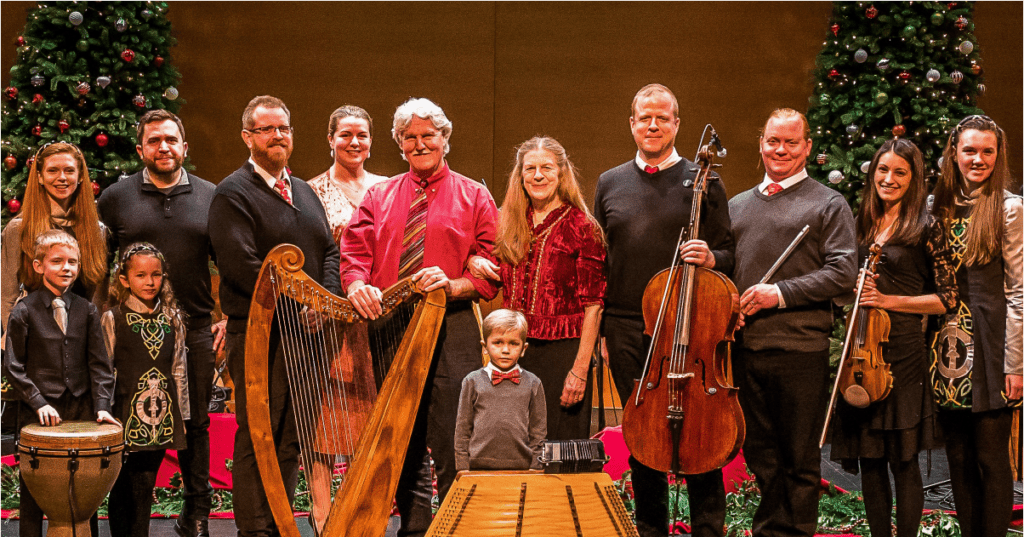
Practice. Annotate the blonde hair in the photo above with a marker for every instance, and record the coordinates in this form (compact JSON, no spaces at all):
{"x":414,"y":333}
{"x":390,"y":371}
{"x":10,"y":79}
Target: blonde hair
{"x":984,"y":235}
{"x":788,"y":113}
{"x":503,"y":320}
{"x":652,"y":89}
{"x":120,"y":292}
{"x":50,"y":238}
{"x":85,"y":226}
{"x":514,"y":231}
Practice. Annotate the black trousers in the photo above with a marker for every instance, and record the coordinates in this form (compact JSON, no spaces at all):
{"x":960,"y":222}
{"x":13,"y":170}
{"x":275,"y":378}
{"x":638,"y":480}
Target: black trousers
{"x":195,"y":458}
{"x":70,"y":408}
{"x":252,"y":512}
{"x":979,"y":469}
{"x":784,"y":396}
{"x":627,"y":351}
{"x":131,"y":499}
{"x":456,"y":355}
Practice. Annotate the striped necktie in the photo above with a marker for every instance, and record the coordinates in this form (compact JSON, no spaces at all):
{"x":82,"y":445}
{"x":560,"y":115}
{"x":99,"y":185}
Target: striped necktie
{"x":415,"y":230}
{"x":60,"y":314}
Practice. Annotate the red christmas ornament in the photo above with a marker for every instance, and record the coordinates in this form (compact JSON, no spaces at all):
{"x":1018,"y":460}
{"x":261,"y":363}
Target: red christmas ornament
{"x":834,"y":74}
{"x":904,"y":76}
{"x":158,"y":61}
{"x":128,"y":55}
{"x":951,"y":5}
{"x":101,"y":140}
{"x":37,"y":130}
{"x":961,"y":23}
{"x":63,"y":125}
{"x":37,"y":99}
{"x":822,"y":158}
{"x":835,"y":29}
{"x":14,"y":206}
{"x":10,"y":162}
{"x":95,"y":188}
{"x":139,"y":100}
{"x":871,"y":12}
{"x":976,"y":69}
{"x":899,"y":130}
{"x":21,"y":40}
{"x":30,"y":162}
{"x":11,"y":92}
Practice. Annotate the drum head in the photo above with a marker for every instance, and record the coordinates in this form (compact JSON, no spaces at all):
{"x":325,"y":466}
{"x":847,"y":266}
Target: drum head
{"x":81,"y":435}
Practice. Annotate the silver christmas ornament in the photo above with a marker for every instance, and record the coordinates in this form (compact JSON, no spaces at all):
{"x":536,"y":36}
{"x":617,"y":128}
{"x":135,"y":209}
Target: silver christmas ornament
{"x":981,"y":89}
{"x":957,"y":77}
{"x":940,"y":162}
{"x":102,"y":81}
{"x":37,"y":80}
{"x":120,"y":25}
{"x":146,"y":14}
{"x":883,"y":64}
{"x":966,"y":47}
{"x":76,"y":18}
{"x":932,"y":75}
{"x":860,"y":56}
{"x":835,"y":176}
{"x":852,"y":129}
{"x":171,"y":93}
{"x":865,"y":166}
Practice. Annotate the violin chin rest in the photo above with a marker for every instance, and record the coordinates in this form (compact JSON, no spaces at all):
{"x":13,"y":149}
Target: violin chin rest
{"x":857,"y":396}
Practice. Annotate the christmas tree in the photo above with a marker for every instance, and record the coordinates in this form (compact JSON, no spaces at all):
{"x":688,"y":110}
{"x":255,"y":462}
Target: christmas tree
{"x":85,"y":72}
{"x":908,"y":69}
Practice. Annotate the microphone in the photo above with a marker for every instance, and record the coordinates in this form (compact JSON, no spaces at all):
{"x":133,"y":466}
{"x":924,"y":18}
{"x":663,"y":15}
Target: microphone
{"x":717,"y":142}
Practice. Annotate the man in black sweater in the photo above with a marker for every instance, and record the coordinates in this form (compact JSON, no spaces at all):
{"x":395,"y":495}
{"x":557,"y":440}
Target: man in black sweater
{"x":781,"y":358}
{"x":256,"y":208}
{"x":642,"y":205}
{"x":167,"y":207}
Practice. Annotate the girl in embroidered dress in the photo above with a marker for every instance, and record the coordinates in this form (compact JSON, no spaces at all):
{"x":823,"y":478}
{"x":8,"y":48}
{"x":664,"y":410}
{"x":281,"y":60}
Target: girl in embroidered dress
{"x":915,"y":280}
{"x":145,"y":337}
{"x":552,"y":269}
{"x":976,"y":349}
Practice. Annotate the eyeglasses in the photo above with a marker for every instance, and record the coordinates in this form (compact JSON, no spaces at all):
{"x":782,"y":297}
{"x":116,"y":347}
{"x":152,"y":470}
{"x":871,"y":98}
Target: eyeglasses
{"x":285,"y":130}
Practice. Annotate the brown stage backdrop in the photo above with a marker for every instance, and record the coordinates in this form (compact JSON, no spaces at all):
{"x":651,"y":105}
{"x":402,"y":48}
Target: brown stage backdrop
{"x":506,"y":71}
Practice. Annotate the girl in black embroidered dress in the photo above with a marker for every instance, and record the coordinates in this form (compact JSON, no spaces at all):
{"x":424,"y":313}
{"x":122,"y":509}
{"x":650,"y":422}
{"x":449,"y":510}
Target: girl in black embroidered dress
{"x":913,"y":279}
{"x":976,"y":349}
{"x":145,"y":337}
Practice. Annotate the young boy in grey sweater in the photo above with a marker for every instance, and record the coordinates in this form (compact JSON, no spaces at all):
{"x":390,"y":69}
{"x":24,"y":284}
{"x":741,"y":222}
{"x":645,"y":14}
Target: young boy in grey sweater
{"x":502,"y":418}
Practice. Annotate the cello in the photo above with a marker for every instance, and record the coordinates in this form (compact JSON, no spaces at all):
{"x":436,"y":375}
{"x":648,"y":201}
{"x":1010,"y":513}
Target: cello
{"x":685,"y":396}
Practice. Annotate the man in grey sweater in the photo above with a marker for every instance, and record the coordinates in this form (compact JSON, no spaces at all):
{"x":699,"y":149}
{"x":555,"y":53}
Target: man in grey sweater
{"x":781,"y":357}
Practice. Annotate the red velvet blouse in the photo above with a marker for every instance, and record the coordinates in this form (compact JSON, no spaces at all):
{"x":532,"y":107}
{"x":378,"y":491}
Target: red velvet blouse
{"x":562,"y":273}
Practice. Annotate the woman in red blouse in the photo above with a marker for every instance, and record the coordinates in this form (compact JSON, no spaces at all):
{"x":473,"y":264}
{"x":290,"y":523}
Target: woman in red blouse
{"x":552,"y":268}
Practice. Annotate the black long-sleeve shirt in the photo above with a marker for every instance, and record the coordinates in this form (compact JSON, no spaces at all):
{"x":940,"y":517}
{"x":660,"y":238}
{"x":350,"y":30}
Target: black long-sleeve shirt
{"x":176,"y":223}
{"x":642,"y":215}
{"x":248,"y":219}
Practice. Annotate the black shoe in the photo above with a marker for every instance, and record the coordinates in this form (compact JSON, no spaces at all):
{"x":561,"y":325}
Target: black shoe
{"x":192,"y":528}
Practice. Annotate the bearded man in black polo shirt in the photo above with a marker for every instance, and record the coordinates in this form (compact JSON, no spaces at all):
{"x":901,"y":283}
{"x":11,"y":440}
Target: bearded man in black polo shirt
{"x":167,"y":207}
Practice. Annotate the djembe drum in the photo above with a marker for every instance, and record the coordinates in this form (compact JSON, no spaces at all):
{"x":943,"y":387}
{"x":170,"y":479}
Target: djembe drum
{"x":69,"y":469}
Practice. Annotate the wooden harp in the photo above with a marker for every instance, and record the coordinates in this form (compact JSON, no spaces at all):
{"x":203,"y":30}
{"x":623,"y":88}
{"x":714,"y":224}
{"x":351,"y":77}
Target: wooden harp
{"x":362,"y":504}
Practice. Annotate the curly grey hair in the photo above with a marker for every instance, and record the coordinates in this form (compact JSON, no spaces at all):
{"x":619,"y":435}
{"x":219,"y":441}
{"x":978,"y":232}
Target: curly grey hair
{"x":423,"y":109}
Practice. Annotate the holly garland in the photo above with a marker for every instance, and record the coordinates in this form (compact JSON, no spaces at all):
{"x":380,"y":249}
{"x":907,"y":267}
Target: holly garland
{"x":84,"y":73}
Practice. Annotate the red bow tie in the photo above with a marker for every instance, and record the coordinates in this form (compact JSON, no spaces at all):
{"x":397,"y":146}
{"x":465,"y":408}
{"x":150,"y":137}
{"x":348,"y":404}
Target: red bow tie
{"x":651,"y":169}
{"x":498,"y":376}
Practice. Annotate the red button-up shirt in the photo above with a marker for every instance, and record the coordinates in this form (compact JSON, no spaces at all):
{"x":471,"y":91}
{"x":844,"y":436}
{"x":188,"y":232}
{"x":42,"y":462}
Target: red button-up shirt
{"x":461,"y":218}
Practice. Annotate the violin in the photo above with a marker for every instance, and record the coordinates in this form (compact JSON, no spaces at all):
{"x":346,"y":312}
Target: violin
{"x":863,"y":376}
{"x":684,"y":416}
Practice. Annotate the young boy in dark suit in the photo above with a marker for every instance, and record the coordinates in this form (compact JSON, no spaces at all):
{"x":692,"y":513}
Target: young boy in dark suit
{"x":55,"y":359}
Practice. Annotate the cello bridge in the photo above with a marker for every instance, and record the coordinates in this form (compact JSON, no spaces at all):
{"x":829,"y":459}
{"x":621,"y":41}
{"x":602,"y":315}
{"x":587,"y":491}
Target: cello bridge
{"x":679,"y":375}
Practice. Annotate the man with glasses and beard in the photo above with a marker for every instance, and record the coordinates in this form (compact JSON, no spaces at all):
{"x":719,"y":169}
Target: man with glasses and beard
{"x":256,"y":208}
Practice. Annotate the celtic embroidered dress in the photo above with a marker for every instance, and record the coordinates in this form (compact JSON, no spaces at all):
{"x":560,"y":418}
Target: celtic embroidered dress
{"x":146,"y":394}
{"x":970,"y":346}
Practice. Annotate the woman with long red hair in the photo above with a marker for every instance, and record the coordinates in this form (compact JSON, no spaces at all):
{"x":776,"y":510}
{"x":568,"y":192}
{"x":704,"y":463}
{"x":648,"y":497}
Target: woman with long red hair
{"x":58,"y":195}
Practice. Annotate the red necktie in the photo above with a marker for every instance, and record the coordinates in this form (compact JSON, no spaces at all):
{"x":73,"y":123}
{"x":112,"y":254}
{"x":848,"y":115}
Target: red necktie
{"x":498,"y":376}
{"x":281,"y":187}
{"x":772,"y":189}
{"x":411,"y":259}
{"x":651,"y":169}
